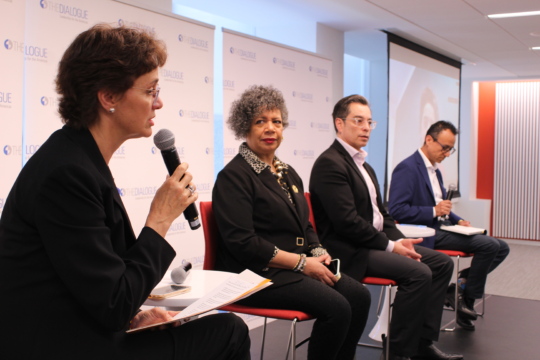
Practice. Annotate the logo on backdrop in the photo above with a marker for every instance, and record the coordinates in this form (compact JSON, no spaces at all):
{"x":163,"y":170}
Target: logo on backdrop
{"x":292,"y":124}
{"x":209,"y":151}
{"x":319,"y":71}
{"x":172,"y":75}
{"x":229,"y":152}
{"x":120,"y":153}
{"x":304,"y":153}
{"x":134,"y":24}
{"x":138,"y":193}
{"x":285,"y":64}
{"x":177,"y":228}
{"x":6,"y":99}
{"x":320,"y":126}
{"x":228,"y":85}
{"x":48,"y":101}
{"x":203,"y":188}
{"x":195,"y":115}
{"x":193,"y":42}
{"x":66,"y":12}
{"x":28,"y":150}
{"x":31,"y":52}
{"x":303,"y":96}
{"x":244,"y":54}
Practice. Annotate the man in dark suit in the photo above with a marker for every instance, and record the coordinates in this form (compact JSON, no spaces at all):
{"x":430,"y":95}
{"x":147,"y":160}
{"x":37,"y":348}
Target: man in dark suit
{"x":355,"y":227}
{"x":417,"y":196}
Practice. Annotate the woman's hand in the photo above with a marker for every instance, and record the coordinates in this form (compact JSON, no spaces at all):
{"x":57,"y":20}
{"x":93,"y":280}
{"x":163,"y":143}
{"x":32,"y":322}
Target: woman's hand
{"x":315,"y":268}
{"x":152,"y":316}
{"x":171,"y":199}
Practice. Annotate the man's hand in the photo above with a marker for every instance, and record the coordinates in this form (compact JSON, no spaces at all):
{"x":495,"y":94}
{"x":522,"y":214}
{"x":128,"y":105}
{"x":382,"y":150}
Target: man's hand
{"x":443,"y":208}
{"x":405,"y":247}
{"x":464,"y":222}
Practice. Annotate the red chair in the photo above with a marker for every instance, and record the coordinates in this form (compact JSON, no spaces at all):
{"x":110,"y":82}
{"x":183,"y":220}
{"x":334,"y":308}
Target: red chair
{"x":211,"y":241}
{"x":389,"y":284}
{"x":458,"y":255}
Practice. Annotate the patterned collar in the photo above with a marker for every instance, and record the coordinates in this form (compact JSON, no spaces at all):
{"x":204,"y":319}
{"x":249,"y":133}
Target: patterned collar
{"x":253,"y":160}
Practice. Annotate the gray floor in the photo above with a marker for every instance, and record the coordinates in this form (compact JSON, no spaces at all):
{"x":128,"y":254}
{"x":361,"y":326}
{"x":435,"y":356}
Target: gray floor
{"x":509,"y":329}
{"x":518,"y":276}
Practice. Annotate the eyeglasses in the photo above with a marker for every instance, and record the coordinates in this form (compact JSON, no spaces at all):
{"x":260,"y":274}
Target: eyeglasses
{"x":360,"y":121}
{"x":153,"y":92}
{"x":445,"y":148}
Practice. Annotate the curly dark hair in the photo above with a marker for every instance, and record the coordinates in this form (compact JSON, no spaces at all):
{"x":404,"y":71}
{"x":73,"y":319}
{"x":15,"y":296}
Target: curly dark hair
{"x":252,"y":103}
{"x":103,"y":58}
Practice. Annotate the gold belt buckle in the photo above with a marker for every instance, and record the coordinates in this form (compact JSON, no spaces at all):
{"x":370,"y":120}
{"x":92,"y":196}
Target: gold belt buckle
{"x":299,"y":241}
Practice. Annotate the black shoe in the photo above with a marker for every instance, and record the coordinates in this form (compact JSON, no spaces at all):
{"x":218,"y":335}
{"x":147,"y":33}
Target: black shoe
{"x":391,"y":355}
{"x":450,"y":300}
{"x":464,"y":322}
{"x":465,"y":309}
{"x":431,"y":352}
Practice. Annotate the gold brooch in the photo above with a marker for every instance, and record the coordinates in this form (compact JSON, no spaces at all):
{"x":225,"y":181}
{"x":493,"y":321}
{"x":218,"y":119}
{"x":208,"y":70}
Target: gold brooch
{"x":295,"y":189}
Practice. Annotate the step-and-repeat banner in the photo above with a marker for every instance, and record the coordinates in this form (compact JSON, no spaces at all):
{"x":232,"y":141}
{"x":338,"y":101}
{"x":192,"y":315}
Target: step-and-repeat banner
{"x":34,"y":37}
{"x":305,"y":79}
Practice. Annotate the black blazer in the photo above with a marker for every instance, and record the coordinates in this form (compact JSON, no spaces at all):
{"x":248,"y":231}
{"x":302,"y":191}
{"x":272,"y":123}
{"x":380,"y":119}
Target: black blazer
{"x":254,"y":215}
{"x":343,"y":211}
{"x":72,"y":272}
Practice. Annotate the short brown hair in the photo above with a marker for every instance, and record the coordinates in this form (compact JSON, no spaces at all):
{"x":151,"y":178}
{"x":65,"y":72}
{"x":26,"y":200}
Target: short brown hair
{"x":103,"y":57}
{"x":341,"y":109}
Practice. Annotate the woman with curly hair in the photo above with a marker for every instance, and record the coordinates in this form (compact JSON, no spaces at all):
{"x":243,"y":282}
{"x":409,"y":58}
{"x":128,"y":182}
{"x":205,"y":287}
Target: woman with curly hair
{"x":263,"y":218}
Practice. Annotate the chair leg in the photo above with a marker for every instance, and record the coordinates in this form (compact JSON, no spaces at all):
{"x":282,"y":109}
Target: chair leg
{"x":483,"y":305}
{"x":291,"y":346}
{"x":263,"y":338}
{"x":388,"y":298}
{"x":455,"y":300}
{"x":378,"y":312}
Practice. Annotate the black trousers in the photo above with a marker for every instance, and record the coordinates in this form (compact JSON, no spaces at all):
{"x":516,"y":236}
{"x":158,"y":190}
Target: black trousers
{"x":418,"y":305}
{"x":341,"y":313}
{"x":213,"y":337}
{"x":488,"y":251}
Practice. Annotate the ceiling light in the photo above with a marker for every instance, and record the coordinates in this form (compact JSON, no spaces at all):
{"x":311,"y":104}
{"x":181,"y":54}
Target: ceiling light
{"x":517,"y":14}
{"x":535,"y":48}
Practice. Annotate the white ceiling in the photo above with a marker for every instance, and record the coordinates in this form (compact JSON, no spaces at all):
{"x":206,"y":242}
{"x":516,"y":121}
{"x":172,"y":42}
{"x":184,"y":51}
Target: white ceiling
{"x":459,"y":29}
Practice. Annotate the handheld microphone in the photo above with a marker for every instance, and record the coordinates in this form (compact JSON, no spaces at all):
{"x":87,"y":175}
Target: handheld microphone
{"x":164,"y":141}
{"x":180,"y":274}
{"x":451,"y":191}
{"x":449,"y":195}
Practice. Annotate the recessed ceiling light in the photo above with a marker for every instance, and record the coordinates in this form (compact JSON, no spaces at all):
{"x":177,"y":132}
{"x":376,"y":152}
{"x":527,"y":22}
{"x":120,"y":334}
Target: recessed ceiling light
{"x":517,"y":14}
{"x":535,"y":48}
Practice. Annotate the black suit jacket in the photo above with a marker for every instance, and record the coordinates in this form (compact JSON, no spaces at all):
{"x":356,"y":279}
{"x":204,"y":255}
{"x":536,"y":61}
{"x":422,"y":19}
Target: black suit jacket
{"x":254,"y":215}
{"x":343,"y":210}
{"x":72,"y":272}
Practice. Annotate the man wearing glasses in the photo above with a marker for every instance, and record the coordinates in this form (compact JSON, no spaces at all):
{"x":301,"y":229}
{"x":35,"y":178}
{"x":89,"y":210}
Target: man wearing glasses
{"x":356,"y":228}
{"x":417,"y":196}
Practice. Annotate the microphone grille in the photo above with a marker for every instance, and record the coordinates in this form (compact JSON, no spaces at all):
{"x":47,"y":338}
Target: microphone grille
{"x":452,"y":187}
{"x":164,"y":139}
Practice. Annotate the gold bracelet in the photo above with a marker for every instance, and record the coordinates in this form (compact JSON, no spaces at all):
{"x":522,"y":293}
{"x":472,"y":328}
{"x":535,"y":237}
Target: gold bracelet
{"x":298,"y":263}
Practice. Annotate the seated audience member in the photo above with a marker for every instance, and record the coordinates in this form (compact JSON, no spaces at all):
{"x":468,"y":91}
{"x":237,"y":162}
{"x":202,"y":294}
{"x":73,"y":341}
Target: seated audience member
{"x":262,"y":215}
{"x":72,"y":272}
{"x":417,"y":196}
{"x":355,"y":227}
